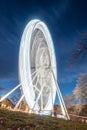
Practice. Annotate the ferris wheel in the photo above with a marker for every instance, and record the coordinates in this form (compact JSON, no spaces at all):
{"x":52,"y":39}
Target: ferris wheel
{"x":38,"y":71}
{"x":36,"y":59}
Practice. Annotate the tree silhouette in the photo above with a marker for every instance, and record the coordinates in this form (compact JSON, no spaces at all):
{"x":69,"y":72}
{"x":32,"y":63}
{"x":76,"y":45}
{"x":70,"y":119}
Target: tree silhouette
{"x":1,"y":88}
{"x":81,"y":48}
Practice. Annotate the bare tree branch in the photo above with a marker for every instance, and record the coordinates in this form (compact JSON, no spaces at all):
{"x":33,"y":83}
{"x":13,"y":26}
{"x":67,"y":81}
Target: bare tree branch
{"x":81,"y":48}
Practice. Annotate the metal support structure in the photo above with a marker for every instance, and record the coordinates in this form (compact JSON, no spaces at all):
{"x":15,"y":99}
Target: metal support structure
{"x":64,"y":110}
{"x":52,"y":102}
{"x":10,"y":92}
{"x":19,"y":102}
{"x":37,"y":98}
{"x":6,"y":95}
{"x":35,"y":86}
{"x":41,"y":95}
{"x":23,"y":94}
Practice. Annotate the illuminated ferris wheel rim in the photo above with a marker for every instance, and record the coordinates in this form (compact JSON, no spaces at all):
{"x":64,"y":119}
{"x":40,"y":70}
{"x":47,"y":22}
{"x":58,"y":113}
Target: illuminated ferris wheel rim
{"x":24,"y":61}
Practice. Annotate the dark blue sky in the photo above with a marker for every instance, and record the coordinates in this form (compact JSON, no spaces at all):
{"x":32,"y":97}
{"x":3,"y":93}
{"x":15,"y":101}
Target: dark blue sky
{"x":64,"y":19}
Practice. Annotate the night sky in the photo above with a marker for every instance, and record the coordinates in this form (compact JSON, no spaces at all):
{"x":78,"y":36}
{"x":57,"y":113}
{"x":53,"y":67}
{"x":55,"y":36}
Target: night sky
{"x":64,"y":18}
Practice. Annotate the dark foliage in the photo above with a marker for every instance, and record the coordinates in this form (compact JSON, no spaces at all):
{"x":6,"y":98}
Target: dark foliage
{"x":81,"y":48}
{"x":25,"y":121}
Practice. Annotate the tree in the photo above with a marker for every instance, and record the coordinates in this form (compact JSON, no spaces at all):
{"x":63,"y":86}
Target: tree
{"x":81,"y":48}
{"x":69,"y":100}
{"x":80,"y":91}
{"x":1,"y":88}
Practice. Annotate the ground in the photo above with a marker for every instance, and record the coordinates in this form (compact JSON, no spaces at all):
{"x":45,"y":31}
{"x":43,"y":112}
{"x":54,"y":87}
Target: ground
{"x":10,"y":120}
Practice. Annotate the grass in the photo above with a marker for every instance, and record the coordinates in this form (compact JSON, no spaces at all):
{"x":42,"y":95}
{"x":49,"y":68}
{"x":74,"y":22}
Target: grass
{"x":10,"y":120}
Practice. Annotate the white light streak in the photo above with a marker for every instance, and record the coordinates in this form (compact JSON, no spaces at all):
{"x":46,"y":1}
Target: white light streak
{"x":25,"y":65}
{"x":25,"y":70}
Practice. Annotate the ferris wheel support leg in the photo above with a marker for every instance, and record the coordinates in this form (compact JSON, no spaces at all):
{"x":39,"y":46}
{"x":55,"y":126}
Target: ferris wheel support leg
{"x":19,"y":102}
{"x":35,"y":86}
{"x":64,"y":110}
{"x":52,"y":102}
{"x":41,"y":96}
{"x":5,"y":96}
{"x":37,"y":98}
